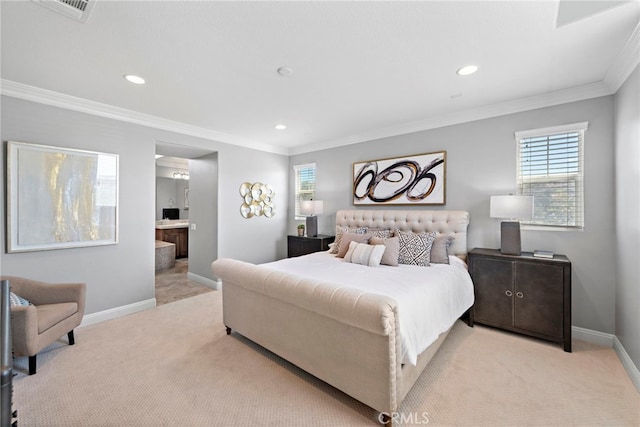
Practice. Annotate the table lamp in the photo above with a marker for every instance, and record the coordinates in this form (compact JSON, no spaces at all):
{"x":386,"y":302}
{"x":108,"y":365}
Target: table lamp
{"x":513,"y":208}
{"x":311,"y":208}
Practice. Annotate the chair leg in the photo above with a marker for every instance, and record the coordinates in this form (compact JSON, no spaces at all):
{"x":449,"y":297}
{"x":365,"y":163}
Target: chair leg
{"x":72,"y":340}
{"x":32,"y":364}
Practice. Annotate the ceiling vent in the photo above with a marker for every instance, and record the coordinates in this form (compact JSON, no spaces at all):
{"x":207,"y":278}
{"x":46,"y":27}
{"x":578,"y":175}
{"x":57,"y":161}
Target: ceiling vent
{"x":76,"y":9}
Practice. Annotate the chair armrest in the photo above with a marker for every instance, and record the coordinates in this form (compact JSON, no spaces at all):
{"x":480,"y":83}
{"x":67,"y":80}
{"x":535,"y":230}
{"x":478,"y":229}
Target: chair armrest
{"x":24,"y":327}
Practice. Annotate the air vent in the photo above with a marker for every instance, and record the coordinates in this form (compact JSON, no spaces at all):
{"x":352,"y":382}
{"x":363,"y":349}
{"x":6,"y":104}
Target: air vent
{"x":76,"y":9}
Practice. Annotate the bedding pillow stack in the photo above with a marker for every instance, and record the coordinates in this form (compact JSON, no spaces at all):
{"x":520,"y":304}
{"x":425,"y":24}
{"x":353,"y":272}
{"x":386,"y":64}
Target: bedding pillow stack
{"x":400,"y":247}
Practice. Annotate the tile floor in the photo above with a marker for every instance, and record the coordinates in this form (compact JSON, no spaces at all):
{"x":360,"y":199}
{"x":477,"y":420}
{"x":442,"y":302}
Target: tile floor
{"x":172,"y":284}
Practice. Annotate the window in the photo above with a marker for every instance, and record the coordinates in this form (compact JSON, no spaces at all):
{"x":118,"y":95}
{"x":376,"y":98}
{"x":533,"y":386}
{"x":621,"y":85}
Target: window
{"x":305,"y":185}
{"x":550,"y":168}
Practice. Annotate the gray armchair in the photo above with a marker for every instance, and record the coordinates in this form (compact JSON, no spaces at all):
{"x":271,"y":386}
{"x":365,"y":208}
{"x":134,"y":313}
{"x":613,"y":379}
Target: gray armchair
{"x":57,"y":309}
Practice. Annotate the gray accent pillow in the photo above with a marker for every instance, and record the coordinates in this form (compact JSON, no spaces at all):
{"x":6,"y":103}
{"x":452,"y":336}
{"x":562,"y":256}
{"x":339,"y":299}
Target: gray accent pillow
{"x":392,"y":247}
{"x":440,"y":249}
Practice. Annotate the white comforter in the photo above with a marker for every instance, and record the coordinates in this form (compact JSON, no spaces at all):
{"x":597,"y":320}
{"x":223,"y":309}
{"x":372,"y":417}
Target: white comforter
{"x":430,"y":299}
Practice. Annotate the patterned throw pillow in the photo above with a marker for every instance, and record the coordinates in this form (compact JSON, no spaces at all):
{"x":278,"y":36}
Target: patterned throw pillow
{"x":415,"y":248}
{"x":17,"y":301}
{"x":383,"y":233}
{"x":340,"y":230}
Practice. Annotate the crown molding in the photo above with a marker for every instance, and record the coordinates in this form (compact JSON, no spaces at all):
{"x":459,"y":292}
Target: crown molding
{"x":579,"y":93}
{"x":56,"y":99}
{"x":43,"y":96}
{"x":626,"y":61}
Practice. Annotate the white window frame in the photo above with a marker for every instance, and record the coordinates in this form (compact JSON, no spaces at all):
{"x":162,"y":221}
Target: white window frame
{"x":525,"y":181}
{"x":300,"y":194}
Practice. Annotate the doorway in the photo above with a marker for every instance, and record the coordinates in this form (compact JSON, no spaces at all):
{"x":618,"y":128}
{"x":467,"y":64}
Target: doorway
{"x":174,"y":229}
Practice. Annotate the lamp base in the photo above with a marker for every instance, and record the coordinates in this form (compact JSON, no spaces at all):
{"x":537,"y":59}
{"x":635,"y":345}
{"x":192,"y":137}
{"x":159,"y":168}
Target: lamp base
{"x":510,"y":238}
{"x":312,"y":226}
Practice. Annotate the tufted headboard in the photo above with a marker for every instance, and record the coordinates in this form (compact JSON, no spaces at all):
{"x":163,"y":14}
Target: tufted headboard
{"x":452,"y":223}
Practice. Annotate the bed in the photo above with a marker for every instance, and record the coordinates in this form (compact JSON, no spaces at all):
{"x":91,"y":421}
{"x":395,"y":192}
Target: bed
{"x":317,"y":311}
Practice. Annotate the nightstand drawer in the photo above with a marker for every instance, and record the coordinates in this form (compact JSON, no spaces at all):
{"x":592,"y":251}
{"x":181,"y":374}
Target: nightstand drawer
{"x":303,"y":245}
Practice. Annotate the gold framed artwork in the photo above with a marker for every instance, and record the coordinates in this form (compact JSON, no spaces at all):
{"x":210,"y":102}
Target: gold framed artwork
{"x":60,"y":198}
{"x":418,"y":179}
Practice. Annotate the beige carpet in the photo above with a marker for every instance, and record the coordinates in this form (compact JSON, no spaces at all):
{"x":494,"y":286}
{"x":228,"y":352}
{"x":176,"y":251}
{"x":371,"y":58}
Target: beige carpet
{"x":174,"y":366}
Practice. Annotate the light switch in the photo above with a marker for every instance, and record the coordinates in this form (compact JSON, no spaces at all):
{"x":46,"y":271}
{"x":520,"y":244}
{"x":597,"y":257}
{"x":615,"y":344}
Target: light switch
{"x":193,"y":227}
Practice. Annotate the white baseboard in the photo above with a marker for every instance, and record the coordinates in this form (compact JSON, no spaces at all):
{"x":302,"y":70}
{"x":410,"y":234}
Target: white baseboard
{"x":116,"y":312}
{"x":609,"y":340}
{"x":592,"y":336}
{"x":629,"y":366}
{"x":204,"y":281}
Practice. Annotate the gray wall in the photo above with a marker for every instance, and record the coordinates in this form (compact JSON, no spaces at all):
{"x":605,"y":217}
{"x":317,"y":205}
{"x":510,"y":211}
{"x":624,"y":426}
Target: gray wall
{"x":123,"y":274}
{"x":627,"y":176}
{"x":169,"y":189}
{"x":481,"y":161}
{"x":257,"y":239}
{"x":203,"y":211}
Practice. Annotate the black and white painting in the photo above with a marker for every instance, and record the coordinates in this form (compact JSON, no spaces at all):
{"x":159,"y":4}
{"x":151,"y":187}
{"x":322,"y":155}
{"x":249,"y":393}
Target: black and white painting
{"x":411,"y":180}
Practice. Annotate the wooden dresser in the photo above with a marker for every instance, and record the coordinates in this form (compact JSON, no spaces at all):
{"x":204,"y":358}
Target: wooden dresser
{"x":523,"y":293}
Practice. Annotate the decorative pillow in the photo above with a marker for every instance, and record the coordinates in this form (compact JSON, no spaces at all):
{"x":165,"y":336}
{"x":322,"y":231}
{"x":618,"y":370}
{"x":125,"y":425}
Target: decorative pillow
{"x":347,"y":238}
{"x":440,"y":249}
{"x":392,"y":246}
{"x":340,"y":230}
{"x":385,"y":233}
{"x":415,"y":248}
{"x":362,"y":253}
{"x":17,"y":301}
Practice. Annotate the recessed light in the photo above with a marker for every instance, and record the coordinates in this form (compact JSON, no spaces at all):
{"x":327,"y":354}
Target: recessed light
{"x":134,"y":79}
{"x":469,"y":69}
{"x":285,"y":71}
{"x":280,"y":127}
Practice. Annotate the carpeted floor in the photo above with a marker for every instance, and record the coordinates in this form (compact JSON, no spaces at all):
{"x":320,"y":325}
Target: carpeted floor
{"x":174,"y":366}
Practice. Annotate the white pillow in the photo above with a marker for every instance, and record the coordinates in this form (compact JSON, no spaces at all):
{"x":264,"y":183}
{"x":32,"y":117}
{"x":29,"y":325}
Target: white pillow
{"x":362,"y":253}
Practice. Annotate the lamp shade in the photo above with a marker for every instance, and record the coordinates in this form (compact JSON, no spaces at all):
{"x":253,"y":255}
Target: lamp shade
{"x":311,"y":207}
{"x":514,"y":207}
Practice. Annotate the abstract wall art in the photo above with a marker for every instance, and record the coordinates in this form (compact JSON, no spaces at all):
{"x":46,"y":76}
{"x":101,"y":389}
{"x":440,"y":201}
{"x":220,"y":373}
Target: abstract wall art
{"x":60,"y":198}
{"x":257,"y":200}
{"x":411,"y":180}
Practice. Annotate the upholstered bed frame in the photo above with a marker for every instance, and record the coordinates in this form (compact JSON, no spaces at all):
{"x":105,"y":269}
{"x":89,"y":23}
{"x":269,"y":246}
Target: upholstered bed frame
{"x":347,"y":339}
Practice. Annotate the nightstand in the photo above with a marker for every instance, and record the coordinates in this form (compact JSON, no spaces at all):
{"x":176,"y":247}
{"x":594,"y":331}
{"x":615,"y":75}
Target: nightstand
{"x":523,"y":293}
{"x":303,"y":245}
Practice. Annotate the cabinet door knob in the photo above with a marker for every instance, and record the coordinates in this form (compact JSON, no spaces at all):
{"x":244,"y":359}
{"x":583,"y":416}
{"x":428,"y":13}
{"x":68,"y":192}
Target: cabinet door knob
{"x":519,"y":294}
{"x":508,"y":293}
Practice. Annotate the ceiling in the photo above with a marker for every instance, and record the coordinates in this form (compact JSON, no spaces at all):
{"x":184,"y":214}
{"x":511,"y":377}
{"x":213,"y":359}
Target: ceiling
{"x":361,"y":70}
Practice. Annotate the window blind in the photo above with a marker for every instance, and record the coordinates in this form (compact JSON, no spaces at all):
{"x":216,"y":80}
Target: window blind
{"x":550,"y":168}
{"x":305,"y":185}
